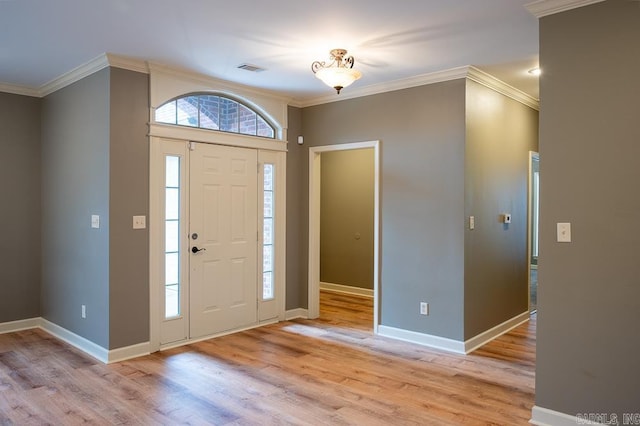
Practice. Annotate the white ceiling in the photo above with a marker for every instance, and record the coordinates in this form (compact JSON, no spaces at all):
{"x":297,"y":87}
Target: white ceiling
{"x":40,"y":40}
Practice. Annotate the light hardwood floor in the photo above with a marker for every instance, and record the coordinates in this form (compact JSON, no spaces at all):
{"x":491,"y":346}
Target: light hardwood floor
{"x":310,"y":372}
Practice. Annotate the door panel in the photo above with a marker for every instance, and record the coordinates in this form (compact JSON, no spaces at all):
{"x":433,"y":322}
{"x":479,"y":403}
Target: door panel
{"x":223,"y":212}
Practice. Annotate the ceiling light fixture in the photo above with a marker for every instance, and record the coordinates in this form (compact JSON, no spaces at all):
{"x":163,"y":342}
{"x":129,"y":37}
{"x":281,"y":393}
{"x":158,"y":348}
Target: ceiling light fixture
{"x":339,"y":72}
{"x":535,"y":71}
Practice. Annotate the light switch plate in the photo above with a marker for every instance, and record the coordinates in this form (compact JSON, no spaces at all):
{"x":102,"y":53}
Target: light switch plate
{"x":564,"y":232}
{"x":95,"y":221}
{"x":139,"y":222}
{"x":472,"y":222}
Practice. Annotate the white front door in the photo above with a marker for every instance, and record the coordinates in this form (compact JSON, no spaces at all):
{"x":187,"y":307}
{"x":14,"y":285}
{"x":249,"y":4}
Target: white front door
{"x":216,"y":201}
{"x":223,"y":235}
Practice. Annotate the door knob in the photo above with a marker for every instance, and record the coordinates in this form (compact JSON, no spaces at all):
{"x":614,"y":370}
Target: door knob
{"x":195,"y":249}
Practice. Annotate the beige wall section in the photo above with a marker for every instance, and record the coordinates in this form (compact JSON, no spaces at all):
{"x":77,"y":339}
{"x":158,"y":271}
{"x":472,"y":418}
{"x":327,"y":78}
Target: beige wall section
{"x":20,"y":192}
{"x":500,"y":134}
{"x":421,"y":130}
{"x":346,"y":218}
{"x":297,"y":213}
{"x":128,"y":196}
{"x":589,"y":294}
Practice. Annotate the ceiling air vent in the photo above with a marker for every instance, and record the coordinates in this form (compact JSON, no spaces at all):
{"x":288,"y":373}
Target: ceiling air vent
{"x":249,"y":67}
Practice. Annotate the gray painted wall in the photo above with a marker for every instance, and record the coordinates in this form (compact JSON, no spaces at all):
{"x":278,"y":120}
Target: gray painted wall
{"x":589,"y":290}
{"x":346,"y":218}
{"x":297,"y":212}
{"x":500,"y":134}
{"x":20,"y":211}
{"x":422,"y":133}
{"x":128,"y":196}
{"x":75,"y":185}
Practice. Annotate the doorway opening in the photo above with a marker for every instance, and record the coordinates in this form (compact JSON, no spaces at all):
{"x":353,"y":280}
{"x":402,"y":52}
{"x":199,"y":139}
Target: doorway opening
{"x":315,"y":219}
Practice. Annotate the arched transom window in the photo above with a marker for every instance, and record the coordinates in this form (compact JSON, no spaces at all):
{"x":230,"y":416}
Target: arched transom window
{"x":214,"y":112}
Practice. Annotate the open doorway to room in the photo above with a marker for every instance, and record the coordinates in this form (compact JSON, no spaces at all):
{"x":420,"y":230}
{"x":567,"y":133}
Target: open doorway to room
{"x":346,"y":237}
{"x":343,"y":231}
{"x":534,"y":208}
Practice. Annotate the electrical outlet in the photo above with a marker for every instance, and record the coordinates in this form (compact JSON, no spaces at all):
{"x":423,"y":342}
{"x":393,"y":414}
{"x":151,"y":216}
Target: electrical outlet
{"x":139,"y":222}
{"x":84,"y":311}
{"x":424,"y":308}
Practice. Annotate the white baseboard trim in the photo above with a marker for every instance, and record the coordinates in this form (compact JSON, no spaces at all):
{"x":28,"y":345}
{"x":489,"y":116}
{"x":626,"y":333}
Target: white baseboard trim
{"x":429,"y":340}
{"x":485,"y":337}
{"x":98,"y":352}
{"x":347,"y":289}
{"x":129,"y":352}
{"x":544,"y":417}
{"x":26,"y":324}
{"x":451,"y":345}
{"x":79,"y":342}
{"x":296,"y":313}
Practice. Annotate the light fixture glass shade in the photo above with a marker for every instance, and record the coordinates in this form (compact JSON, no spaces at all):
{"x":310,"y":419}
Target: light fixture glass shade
{"x":339,"y":72}
{"x":338,"y":78}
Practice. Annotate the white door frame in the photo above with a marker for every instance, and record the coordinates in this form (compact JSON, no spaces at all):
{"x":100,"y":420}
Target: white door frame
{"x":183,"y":136}
{"x":314,"y":224}
{"x":532,"y":156}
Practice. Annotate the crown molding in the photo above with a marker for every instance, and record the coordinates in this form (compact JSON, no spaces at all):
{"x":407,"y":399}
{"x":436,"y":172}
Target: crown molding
{"x":542,"y":8}
{"x":96,"y":64}
{"x":374,"y":89}
{"x":76,"y":74}
{"x":19,"y":90}
{"x":500,"y":86}
{"x":469,"y":72}
{"x":127,"y":63}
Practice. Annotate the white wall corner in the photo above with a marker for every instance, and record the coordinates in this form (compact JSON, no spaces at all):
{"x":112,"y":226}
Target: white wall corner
{"x":296,"y":313}
{"x":542,"y":8}
{"x":429,"y":340}
{"x":485,"y":337}
{"x":544,"y":417}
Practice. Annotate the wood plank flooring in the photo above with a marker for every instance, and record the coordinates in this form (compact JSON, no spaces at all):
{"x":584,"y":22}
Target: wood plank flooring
{"x":330,"y":371}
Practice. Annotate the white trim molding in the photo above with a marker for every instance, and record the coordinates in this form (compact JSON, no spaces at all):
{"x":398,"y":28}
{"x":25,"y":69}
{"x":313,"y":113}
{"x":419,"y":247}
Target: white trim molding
{"x":19,"y":90}
{"x":78,"y":73}
{"x":487,"y":80}
{"x":541,"y":8}
{"x":470,"y":72}
{"x":423,"y":339}
{"x":19,"y":325}
{"x":485,"y":337}
{"x":292,"y":314}
{"x":346,"y":289}
{"x":544,"y":417}
{"x":374,"y":89}
{"x":451,"y":345}
{"x":96,"y":64}
{"x":314,"y":224}
{"x":88,"y":347}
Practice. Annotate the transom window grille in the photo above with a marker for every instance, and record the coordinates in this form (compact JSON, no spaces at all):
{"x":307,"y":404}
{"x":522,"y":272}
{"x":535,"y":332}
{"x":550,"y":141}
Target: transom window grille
{"x":214,"y":112}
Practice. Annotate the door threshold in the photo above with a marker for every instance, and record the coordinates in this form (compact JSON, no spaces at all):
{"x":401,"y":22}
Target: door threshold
{"x":185,"y":342}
